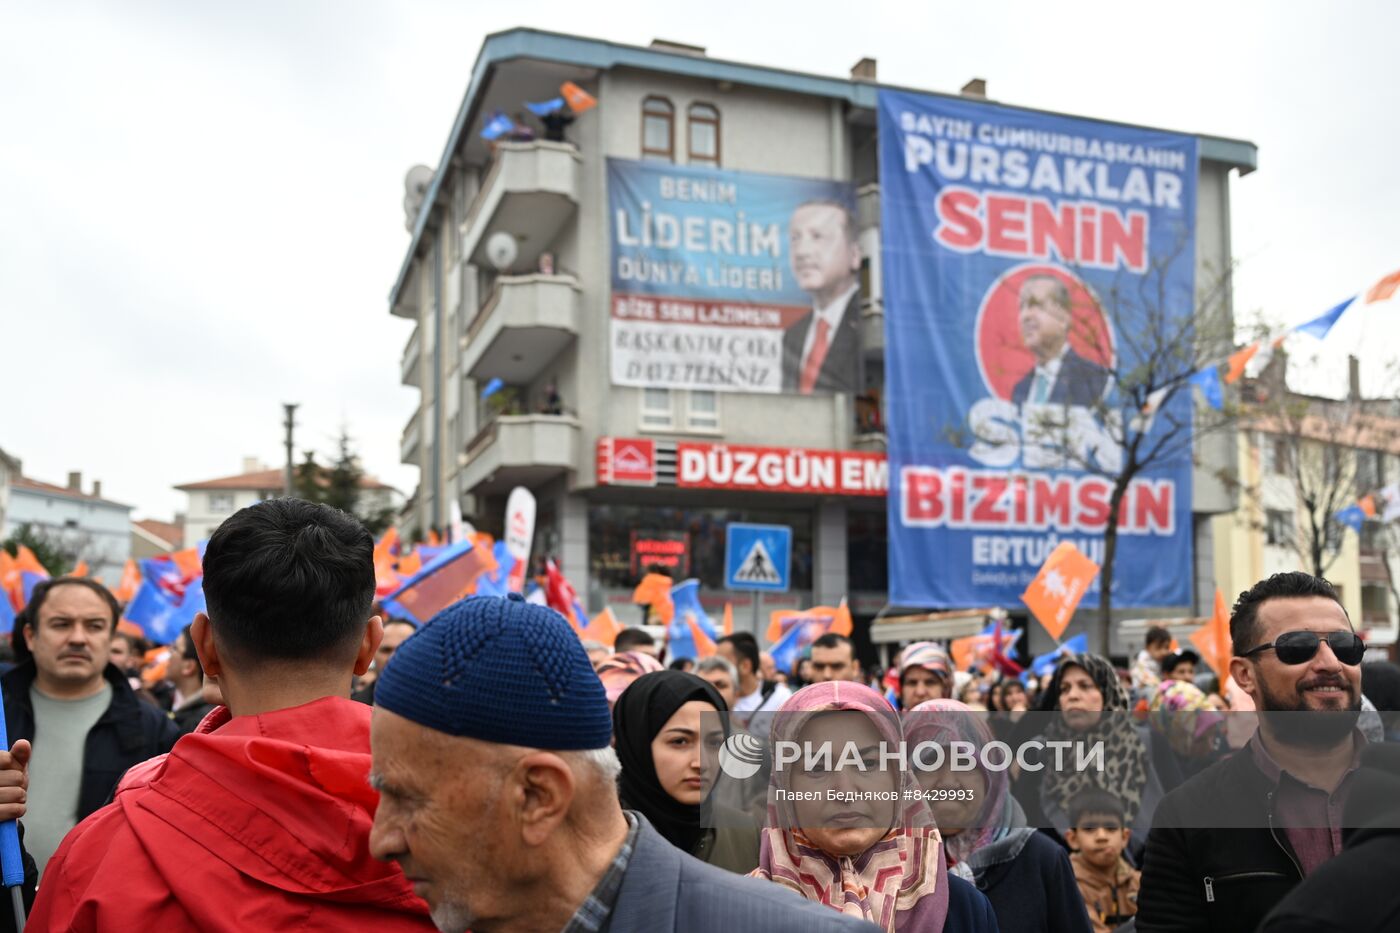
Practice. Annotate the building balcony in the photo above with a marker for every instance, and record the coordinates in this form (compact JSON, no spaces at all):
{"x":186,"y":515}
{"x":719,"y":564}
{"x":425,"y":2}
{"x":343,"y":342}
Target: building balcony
{"x":412,"y":364}
{"x":408,"y":443}
{"x":520,"y":450}
{"x":522,"y":327}
{"x":870,"y":441}
{"x":529,"y":191}
{"x":872,"y":328}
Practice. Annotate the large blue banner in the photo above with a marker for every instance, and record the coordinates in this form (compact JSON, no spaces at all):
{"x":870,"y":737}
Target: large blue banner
{"x":1032,"y":264}
{"x":732,"y":281}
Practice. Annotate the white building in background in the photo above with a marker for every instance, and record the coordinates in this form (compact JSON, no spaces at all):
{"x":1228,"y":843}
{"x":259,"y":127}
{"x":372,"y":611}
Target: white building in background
{"x":9,"y":468}
{"x":97,"y":529}
{"x":213,"y":500}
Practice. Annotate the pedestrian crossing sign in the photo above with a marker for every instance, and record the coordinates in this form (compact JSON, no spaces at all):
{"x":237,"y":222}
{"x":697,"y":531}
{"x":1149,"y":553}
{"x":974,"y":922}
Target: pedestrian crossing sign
{"x":758,"y":557}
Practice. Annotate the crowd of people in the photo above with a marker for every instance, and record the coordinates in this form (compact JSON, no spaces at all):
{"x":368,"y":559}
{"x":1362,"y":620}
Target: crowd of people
{"x":295,"y":761}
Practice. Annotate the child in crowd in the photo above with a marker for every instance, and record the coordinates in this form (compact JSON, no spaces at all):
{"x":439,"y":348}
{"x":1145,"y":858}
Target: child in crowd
{"x":1147,"y":669}
{"x":1098,"y":837}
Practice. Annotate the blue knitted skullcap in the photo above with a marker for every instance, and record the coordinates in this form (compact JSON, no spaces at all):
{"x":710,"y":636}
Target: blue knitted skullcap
{"x":502,"y":671}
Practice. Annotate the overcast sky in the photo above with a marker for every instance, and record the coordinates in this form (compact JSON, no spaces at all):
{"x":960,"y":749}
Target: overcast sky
{"x":200,"y":203}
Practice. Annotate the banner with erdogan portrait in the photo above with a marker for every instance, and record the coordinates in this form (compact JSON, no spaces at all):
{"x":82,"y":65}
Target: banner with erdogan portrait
{"x":732,"y":281}
{"x":1029,"y":262}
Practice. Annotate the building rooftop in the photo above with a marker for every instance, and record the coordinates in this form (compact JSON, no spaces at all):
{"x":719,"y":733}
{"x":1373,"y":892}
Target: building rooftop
{"x":165,"y":533}
{"x":260,"y":480}
{"x":29,"y":484}
{"x":578,"y":58}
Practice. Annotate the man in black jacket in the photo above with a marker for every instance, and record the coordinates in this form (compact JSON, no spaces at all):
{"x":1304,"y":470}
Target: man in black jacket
{"x":1231,"y":842}
{"x":86,"y":723}
{"x":1356,"y":891}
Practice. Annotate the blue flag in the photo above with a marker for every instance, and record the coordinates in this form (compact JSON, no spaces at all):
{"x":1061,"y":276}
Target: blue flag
{"x":491,"y":388}
{"x":7,"y":613}
{"x":1208,"y":381}
{"x":191,"y":605}
{"x":545,"y":108}
{"x":497,"y":126}
{"x":1045,"y":663}
{"x":1352,"y":516}
{"x":1320,"y":325}
{"x":787,"y":651}
{"x":155,"y":612}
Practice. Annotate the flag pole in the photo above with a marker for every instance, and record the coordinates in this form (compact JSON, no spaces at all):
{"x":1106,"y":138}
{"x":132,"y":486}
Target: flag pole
{"x":11,"y":858}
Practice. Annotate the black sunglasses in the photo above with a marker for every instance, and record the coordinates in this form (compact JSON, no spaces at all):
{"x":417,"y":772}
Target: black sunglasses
{"x":1299,"y":647}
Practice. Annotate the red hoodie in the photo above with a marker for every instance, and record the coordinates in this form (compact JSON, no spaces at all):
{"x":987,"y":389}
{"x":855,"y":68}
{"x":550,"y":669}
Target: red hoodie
{"x":255,"y":823}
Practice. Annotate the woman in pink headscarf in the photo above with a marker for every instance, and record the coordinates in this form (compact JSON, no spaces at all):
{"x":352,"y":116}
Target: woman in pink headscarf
{"x":1025,"y":874}
{"x":619,"y":670}
{"x":876,"y":853}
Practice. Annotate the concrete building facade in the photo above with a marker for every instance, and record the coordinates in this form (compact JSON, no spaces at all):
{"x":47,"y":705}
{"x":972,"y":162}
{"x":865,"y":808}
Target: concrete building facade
{"x":560,"y":426}
{"x":95,"y":528}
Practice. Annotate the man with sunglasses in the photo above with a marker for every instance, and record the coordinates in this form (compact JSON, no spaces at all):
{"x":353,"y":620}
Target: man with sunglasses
{"x":1228,"y":844}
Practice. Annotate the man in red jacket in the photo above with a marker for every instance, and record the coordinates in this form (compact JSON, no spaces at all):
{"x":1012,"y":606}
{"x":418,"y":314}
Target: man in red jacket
{"x":259,"y":820}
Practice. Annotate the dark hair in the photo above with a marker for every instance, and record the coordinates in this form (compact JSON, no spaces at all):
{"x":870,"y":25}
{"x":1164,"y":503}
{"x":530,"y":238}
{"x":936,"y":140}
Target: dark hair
{"x":833,"y":640}
{"x":848,"y":217}
{"x":630,"y":638}
{"x":745,"y":649}
{"x":1244,"y":617}
{"x":1157,"y":635}
{"x":1095,"y":800}
{"x":679,"y":664}
{"x":1058,"y":291}
{"x":29,"y":615}
{"x":288,"y":579}
{"x":1185,"y":654}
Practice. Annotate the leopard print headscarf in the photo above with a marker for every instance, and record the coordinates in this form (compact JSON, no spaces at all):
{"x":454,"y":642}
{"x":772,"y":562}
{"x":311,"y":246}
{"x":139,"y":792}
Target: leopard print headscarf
{"x":1125,"y":758}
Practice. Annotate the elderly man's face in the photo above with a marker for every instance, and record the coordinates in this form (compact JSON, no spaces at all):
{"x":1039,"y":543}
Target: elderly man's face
{"x":441,"y":817}
{"x":1044,"y":320}
{"x":824,"y":259}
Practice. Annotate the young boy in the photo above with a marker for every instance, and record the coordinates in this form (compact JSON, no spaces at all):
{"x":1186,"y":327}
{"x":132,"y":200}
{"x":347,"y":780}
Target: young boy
{"x":1180,"y":666}
{"x":1098,"y":837}
{"x":1147,"y":669}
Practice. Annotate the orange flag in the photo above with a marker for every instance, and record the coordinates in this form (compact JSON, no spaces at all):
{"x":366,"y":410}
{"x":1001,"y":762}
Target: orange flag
{"x":1056,"y":590}
{"x":655,"y":591}
{"x":838,"y":620}
{"x":1239,"y":360}
{"x":410,"y":563}
{"x":25,"y":560}
{"x":1368,"y":506}
{"x":188,"y":563}
{"x":1384,"y":289}
{"x":603,"y":629}
{"x":384,"y":547}
{"x":434,"y":539}
{"x":80,"y":569}
{"x":1213,"y":638}
{"x":728,"y":619}
{"x":960,"y":650}
{"x":131,"y":580}
{"x":579,"y":99}
{"x":704,"y":645}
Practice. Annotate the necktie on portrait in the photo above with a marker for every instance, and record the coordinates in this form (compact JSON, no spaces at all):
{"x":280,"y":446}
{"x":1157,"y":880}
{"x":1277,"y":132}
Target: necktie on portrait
{"x":1040,"y":389}
{"x":812,"y":367}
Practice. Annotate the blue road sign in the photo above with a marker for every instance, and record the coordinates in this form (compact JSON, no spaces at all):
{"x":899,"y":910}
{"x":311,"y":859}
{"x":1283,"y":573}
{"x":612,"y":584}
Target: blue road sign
{"x":758,"y":557}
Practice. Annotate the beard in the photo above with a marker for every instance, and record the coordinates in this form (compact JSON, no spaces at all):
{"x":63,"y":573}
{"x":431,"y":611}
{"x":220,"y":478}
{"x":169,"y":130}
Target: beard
{"x":452,"y":917}
{"x":1295,"y":723}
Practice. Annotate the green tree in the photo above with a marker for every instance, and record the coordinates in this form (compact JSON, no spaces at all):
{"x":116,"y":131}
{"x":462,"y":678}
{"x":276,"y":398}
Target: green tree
{"x":57,"y":556}
{"x":340,"y":485}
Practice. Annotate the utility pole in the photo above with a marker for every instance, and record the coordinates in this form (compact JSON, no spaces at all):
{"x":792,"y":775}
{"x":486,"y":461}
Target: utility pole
{"x":288,"y":424}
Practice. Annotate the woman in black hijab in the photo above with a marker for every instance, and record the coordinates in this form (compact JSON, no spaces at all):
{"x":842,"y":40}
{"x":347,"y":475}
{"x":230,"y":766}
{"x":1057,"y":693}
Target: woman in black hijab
{"x":661,"y":731}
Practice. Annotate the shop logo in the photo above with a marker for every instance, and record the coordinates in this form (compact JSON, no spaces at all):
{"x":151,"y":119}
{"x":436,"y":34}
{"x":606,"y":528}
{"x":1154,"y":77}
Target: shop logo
{"x":634,"y":461}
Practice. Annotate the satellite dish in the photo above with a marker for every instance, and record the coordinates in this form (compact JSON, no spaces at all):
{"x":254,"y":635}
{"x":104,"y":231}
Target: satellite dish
{"x":501,"y":250}
{"x":415,"y":190}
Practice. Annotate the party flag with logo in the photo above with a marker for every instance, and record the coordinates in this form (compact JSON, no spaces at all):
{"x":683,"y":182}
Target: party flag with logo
{"x":1059,"y":586}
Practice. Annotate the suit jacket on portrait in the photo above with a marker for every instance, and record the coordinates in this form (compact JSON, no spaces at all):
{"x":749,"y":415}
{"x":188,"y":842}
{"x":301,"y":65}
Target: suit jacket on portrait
{"x":667,"y":891}
{"x":840,"y":370}
{"x":1080,"y":382}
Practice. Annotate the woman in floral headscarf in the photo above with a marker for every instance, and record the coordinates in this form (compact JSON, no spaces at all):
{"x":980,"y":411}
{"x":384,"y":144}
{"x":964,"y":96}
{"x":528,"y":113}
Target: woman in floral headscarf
{"x":1187,"y":732}
{"x":1025,"y":875}
{"x":619,"y":670}
{"x":877,"y":859}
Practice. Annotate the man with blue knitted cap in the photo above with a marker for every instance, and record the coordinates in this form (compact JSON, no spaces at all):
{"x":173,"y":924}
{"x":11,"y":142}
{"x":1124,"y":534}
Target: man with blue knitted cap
{"x":492,"y":755}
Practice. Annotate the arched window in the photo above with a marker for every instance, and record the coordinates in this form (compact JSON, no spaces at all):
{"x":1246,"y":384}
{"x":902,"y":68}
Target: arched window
{"x":704,"y":134}
{"x":658,"y":129}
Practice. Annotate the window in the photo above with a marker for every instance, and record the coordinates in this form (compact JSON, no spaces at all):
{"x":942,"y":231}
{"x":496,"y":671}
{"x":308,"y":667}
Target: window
{"x":1370,"y":470}
{"x":658,"y":129}
{"x":1275,"y":454}
{"x":703,"y":124}
{"x":1278,"y":526}
{"x":656,"y":409}
{"x":220,"y":502}
{"x":702,"y":410}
